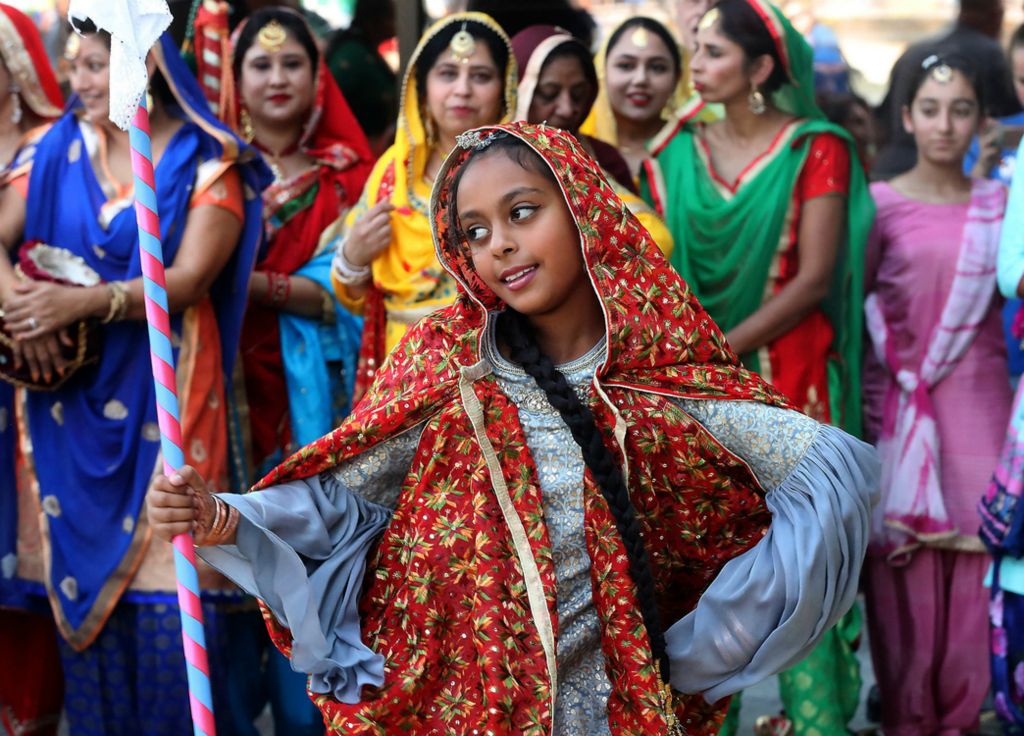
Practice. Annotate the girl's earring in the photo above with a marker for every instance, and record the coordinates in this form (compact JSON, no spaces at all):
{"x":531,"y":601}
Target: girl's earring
{"x":247,"y":132}
{"x":16,"y":111}
{"x":756,"y":101}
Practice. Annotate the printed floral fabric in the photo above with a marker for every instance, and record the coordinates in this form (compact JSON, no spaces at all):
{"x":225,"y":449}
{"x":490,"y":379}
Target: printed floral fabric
{"x":448,"y":597}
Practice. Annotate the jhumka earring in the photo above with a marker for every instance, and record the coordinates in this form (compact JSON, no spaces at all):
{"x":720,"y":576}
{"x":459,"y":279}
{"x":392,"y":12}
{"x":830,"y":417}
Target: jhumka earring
{"x":16,"y":111}
{"x":246,"y":121}
{"x":429,"y":129}
{"x":756,"y":102}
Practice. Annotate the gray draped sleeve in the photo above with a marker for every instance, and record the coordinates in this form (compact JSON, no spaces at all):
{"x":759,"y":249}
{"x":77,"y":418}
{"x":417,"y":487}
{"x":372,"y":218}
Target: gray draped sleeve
{"x":301,"y":548}
{"x":768,"y":607}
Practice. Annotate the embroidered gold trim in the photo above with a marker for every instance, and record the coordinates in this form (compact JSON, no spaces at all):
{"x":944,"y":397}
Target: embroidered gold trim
{"x":527,"y":563}
{"x":80,"y":639}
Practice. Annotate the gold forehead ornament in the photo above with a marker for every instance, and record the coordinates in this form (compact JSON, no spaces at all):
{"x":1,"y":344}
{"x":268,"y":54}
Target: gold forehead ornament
{"x":639,"y":37}
{"x":73,"y":46}
{"x":462,"y":45}
{"x":710,"y":18}
{"x":271,"y":37}
{"x":937,"y":69}
{"x":943,"y":74}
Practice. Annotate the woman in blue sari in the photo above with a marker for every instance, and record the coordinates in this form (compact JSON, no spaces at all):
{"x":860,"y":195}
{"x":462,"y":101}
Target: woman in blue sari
{"x":90,"y":440}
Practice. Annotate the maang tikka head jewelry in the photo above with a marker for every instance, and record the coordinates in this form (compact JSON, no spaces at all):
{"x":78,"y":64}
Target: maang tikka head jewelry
{"x":73,"y":46}
{"x":710,"y":18}
{"x":639,"y":37}
{"x":937,"y":69}
{"x":271,"y":37}
{"x":462,"y":45}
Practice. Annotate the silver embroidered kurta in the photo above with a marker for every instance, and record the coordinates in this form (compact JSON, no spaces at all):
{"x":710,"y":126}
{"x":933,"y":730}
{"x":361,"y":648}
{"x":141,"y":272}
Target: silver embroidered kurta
{"x":583,"y":686}
{"x":302,"y":547}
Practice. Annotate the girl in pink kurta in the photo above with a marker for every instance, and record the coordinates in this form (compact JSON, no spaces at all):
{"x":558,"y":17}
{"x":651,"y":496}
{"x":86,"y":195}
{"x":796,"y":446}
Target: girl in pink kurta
{"x":937,"y":400}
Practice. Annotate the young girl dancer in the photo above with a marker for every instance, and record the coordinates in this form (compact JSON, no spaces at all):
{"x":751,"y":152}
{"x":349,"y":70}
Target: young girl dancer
{"x":562,"y":493}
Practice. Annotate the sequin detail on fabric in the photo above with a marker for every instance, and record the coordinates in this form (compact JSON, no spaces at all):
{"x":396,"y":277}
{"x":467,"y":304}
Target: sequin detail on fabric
{"x":774,"y":440}
{"x":583,"y":687}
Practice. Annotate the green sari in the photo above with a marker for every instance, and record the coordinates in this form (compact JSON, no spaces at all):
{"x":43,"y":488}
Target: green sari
{"x":727,"y":242}
{"x":726,"y":246}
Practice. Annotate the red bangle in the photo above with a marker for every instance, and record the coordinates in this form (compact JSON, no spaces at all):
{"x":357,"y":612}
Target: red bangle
{"x":279,"y":288}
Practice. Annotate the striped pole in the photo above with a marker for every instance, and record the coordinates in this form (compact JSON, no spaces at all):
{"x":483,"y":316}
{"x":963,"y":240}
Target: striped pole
{"x":169,"y":417}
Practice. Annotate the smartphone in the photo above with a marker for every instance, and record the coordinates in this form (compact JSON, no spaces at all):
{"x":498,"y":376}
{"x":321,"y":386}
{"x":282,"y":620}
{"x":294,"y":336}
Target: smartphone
{"x":1011,"y":136}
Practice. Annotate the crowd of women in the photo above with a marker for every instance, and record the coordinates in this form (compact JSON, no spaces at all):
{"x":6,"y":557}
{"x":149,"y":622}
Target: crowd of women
{"x":299,"y":264}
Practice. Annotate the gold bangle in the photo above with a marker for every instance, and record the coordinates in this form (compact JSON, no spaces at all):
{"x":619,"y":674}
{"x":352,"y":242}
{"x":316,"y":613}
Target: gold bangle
{"x":225,"y":521}
{"x":118,"y":302}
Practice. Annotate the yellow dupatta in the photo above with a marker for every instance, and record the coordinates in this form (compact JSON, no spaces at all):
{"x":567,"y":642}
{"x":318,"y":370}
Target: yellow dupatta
{"x":407,"y":271}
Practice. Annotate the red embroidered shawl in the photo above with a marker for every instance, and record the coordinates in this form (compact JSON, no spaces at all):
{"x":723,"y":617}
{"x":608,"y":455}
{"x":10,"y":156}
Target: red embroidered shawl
{"x":460,"y":595}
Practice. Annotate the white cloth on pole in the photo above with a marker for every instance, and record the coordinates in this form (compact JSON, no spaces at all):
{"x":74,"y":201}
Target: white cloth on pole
{"x":134,"y":27}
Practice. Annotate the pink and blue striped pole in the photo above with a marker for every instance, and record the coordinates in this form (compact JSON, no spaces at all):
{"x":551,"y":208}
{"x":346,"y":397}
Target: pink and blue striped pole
{"x":168,"y":414}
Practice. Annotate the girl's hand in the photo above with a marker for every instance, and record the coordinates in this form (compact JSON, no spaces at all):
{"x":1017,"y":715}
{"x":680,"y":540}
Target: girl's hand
{"x":41,"y":308}
{"x":369,"y":235}
{"x":990,"y":150}
{"x":42,"y":355}
{"x":180,"y":504}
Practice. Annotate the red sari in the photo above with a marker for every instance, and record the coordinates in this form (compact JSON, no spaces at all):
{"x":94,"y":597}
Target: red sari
{"x":296,"y":212}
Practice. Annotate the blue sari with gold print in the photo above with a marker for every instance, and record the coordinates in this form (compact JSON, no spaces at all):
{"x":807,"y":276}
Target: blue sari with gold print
{"x":94,"y":444}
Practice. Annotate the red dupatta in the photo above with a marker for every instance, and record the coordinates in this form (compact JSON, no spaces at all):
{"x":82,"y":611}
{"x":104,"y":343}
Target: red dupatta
{"x":22,"y":51}
{"x":295,"y":214}
{"x":460,"y":594}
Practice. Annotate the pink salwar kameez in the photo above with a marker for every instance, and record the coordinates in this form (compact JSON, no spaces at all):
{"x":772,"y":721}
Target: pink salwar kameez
{"x":926,"y":603}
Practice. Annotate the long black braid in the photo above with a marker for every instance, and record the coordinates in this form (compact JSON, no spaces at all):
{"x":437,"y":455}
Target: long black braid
{"x":518,"y":334}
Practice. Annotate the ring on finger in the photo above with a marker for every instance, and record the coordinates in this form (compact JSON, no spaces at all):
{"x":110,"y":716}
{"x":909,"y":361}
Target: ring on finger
{"x":33,"y":323}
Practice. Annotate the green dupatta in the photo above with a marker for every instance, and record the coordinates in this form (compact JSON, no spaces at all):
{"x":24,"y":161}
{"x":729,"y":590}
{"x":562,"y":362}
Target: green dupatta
{"x":726,"y":243}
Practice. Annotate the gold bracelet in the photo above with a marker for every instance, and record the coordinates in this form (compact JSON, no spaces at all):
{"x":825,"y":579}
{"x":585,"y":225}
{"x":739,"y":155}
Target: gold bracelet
{"x":118,"y":302}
